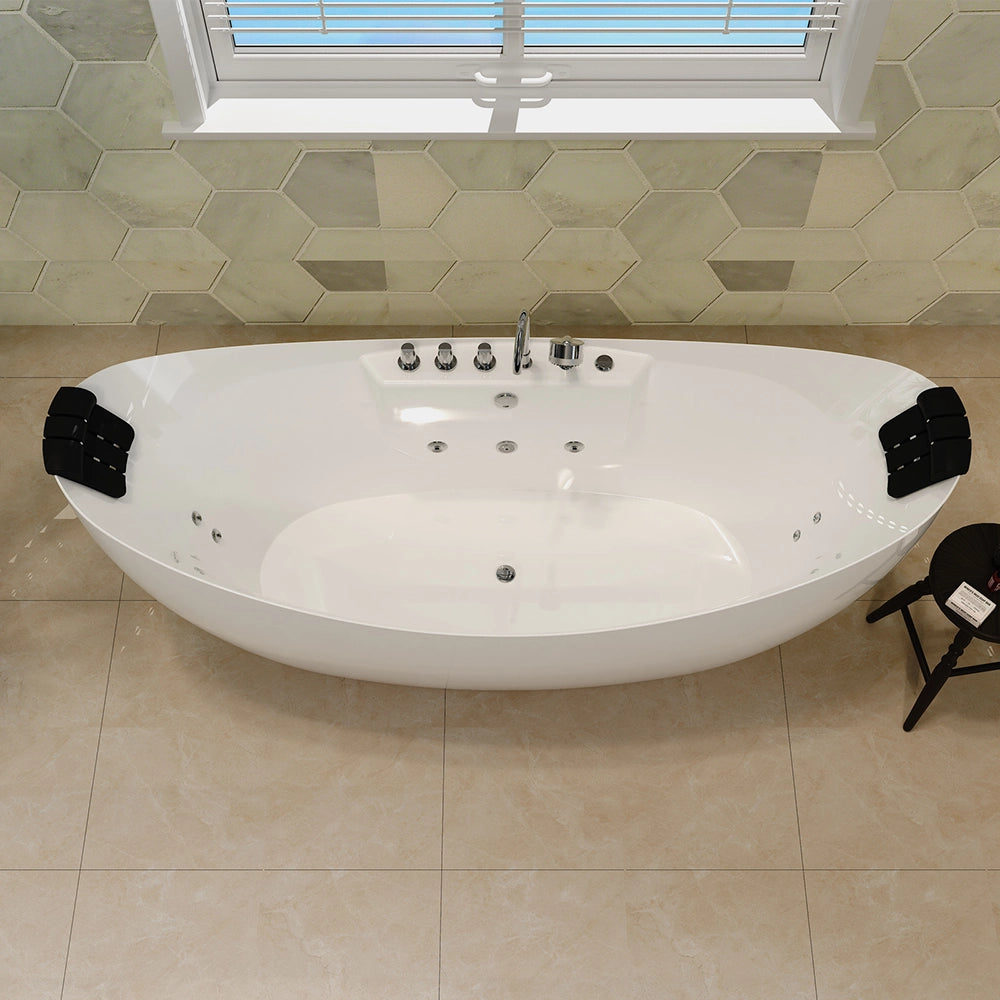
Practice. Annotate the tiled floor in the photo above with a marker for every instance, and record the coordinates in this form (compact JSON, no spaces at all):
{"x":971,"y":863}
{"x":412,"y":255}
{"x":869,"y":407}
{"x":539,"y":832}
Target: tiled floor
{"x":180,"y":819}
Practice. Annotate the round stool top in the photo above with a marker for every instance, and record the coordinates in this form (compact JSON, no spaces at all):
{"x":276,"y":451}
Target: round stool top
{"x":966,"y":556}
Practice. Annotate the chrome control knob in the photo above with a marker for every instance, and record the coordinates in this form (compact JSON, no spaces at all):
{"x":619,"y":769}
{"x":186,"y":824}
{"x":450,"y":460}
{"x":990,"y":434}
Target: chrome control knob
{"x":408,"y":359}
{"x":445,"y":360}
{"x":484,"y":359}
{"x":565,"y":352}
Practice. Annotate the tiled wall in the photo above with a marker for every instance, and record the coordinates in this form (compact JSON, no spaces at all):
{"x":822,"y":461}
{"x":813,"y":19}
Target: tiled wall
{"x":104,"y":221}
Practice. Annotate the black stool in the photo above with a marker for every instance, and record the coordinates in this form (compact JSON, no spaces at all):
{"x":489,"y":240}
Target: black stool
{"x":965,"y":556}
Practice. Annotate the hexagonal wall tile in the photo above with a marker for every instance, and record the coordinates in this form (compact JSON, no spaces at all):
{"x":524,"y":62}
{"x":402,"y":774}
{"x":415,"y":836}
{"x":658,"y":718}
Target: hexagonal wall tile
{"x":348,"y":275}
{"x":587,"y":187}
{"x":773,"y":188}
{"x":774,"y":309}
{"x":753,"y":275}
{"x":942,"y":150}
{"x":44,"y":151}
{"x":122,"y":105}
{"x":673,"y":291}
{"x":376,"y":244}
{"x":792,"y":244}
{"x":150,"y":188}
{"x":973,"y":264}
{"x":68,"y":225}
{"x":909,"y":24}
{"x":95,"y":29}
{"x":957,"y":67}
{"x":915,"y":225}
{"x":677,"y":225}
{"x":173,"y":260}
{"x":92,"y":291}
{"x":884,"y":292}
{"x":380,"y":309}
{"x":230,"y":164}
{"x":8,"y":195}
{"x":185,"y":307}
{"x":582,"y":259}
{"x":335,"y":188}
{"x":34,"y":69}
{"x":673,"y":165}
{"x":412,"y":189}
{"x":490,"y":225}
{"x":983,"y":195}
{"x":889,"y":103}
{"x":268,"y":291}
{"x":489,"y":291}
{"x":848,"y":187}
{"x":578,"y":309}
{"x":254,"y":225}
{"x":963,"y":309}
{"x":490,"y":166}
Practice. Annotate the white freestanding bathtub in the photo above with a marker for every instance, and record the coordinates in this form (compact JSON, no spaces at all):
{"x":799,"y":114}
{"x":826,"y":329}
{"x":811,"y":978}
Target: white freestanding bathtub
{"x":695,"y":504}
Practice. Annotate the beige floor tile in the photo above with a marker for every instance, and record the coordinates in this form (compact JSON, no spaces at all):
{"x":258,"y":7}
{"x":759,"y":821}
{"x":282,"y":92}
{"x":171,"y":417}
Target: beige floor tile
{"x":42,"y":556}
{"x":921,"y":935}
{"x":214,"y":758}
{"x":53,"y":674}
{"x":689,"y":772}
{"x":694,"y":935}
{"x":68,"y":351}
{"x":244,"y":935}
{"x":36,"y":909}
{"x":870,"y":795}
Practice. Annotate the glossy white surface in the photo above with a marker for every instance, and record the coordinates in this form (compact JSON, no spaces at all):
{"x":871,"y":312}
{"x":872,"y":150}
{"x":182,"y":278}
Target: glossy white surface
{"x":666,"y":544}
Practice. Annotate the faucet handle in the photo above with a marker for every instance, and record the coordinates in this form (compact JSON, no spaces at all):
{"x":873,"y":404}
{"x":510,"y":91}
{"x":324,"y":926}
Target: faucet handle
{"x":484,"y":359}
{"x":445,"y":360}
{"x":408,"y":359}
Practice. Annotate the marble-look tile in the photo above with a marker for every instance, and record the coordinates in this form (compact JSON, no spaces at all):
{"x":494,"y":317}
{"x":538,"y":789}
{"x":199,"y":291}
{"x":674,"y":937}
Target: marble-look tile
{"x":214,"y":758}
{"x":19,"y":275}
{"x":8,"y":195}
{"x":13,"y":248}
{"x":197,"y":337}
{"x":490,"y":291}
{"x":381,"y":309}
{"x":753,"y":275}
{"x":774,"y":188}
{"x":122,"y":105}
{"x":254,"y":225}
{"x":579,"y":309}
{"x":42,"y":150}
{"x":869,"y":795}
{"x":889,"y":292}
{"x":230,"y":164}
{"x":335,"y":188}
{"x":972,"y":308}
{"x":249,"y":935}
{"x":491,"y":225}
{"x":90,"y":30}
{"x":170,"y":260}
{"x":677,"y":225}
{"x":502,"y":165}
{"x":628,"y":776}
{"x":915,"y":934}
{"x":53,"y":675}
{"x":36,"y":910}
{"x":414,"y":276}
{"x":30,"y":309}
{"x":915,"y":225}
{"x":376,"y":244}
{"x":580,"y":275}
{"x":267,"y":291}
{"x":35,"y":70}
{"x":412,"y":189}
{"x":582,"y":259}
{"x":978,"y":5}
{"x":942,"y":150}
{"x":150,"y":188}
{"x":820,"y":275}
{"x":848,"y":187}
{"x":69,"y":351}
{"x":587,"y":187}
{"x":909,"y":24}
{"x":777,"y":308}
{"x":92,"y":291}
{"x":792,"y":244}
{"x":983,"y":196}
{"x":956,"y":68}
{"x":889,"y":103}
{"x":348,"y":275}
{"x":68,"y":225}
{"x":673,"y":291}
{"x":968,"y":275}
{"x":679,"y":165}
{"x":398,"y":145}
{"x":184,"y":307}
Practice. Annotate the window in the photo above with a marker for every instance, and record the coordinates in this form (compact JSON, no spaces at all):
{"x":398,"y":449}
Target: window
{"x":520,"y":67}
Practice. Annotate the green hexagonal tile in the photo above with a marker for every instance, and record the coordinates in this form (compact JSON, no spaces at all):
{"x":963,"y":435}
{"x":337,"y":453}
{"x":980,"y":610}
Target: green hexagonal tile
{"x":490,"y":225}
{"x":254,"y":225}
{"x":95,"y":29}
{"x":335,"y":188}
{"x":495,"y":165}
{"x":44,"y":151}
{"x":150,"y":188}
{"x":677,"y":225}
{"x":34,"y":70}
{"x":67,"y":225}
{"x":958,"y":66}
{"x":587,"y":187}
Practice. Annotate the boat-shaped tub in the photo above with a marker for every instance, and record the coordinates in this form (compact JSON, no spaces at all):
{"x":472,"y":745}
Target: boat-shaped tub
{"x":693,"y":505}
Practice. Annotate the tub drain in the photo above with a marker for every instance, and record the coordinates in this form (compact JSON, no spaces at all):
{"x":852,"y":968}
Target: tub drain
{"x":505,"y":573}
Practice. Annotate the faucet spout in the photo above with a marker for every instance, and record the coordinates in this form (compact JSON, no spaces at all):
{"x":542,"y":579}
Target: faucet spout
{"x":522,"y":343}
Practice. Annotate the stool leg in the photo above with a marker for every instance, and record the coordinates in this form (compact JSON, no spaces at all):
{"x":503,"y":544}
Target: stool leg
{"x":938,"y":676}
{"x":905,"y":597}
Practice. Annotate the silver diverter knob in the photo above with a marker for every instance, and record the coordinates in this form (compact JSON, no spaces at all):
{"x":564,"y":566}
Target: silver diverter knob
{"x":484,"y":359}
{"x":408,"y":359}
{"x":445,"y":360}
{"x":565,"y":352}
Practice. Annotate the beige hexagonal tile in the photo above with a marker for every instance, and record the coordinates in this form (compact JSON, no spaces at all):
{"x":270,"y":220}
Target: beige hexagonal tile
{"x":198,"y":308}
{"x":491,"y":225}
{"x":92,"y":291}
{"x":121,"y":105}
{"x":677,"y":225}
{"x":889,"y":103}
{"x":753,"y":275}
{"x":889,"y":292}
{"x":582,"y":259}
{"x":792,"y":244}
{"x":775,"y":309}
{"x":489,"y":291}
{"x":963,"y":309}
{"x":348,"y":275}
{"x":381,"y":309}
{"x":254,"y":225}
{"x":848,"y":187}
{"x":97,"y":30}
{"x":973,"y":264}
{"x":43,"y":151}
{"x":19,"y":275}
{"x":412,"y":189}
{"x":415,"y":276}
{"x":150,"y":189}
{"x":267,"y":291}
{"x":820,"y":275}
{"x":958,"y":66}
{"x":171,"y":260}
{"x":983,"y":195}
{"x":335,"y":188}
{"x":673,"y":291}
{"x":35,"y":70}
{"x":30,"y":309}
{"x":681,"y":165}
{"x":578,"y":309}
{"x":587,"y":187}
{"x":497,"y":165}
{"x":909,"y":24}
{"x":241,"y":165}
{"x":915,"y":225}
{"x":376,"y":244}
{"x":68,"y":225}
{"x":13,"y":248}
{"x":8,"y":195}
{"x":942,"y":150}
{"x":773,"y":188}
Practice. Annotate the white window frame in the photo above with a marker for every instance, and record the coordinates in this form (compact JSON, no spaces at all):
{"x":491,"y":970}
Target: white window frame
{"x":816,"y":93}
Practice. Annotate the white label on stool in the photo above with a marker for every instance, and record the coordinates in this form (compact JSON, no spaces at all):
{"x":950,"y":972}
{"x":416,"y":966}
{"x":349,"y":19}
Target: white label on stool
{"x":970,"y":604}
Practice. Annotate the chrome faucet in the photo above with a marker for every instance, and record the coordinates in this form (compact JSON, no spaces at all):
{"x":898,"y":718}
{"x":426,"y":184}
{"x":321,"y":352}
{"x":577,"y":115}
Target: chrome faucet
{"x":522,"y":343}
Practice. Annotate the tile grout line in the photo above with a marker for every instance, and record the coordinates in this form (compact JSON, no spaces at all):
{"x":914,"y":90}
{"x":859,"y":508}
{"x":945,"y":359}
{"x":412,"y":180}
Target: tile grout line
{"x":798,"y":824}
{"x":444,"y":738}
{"x":93,"y":782}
